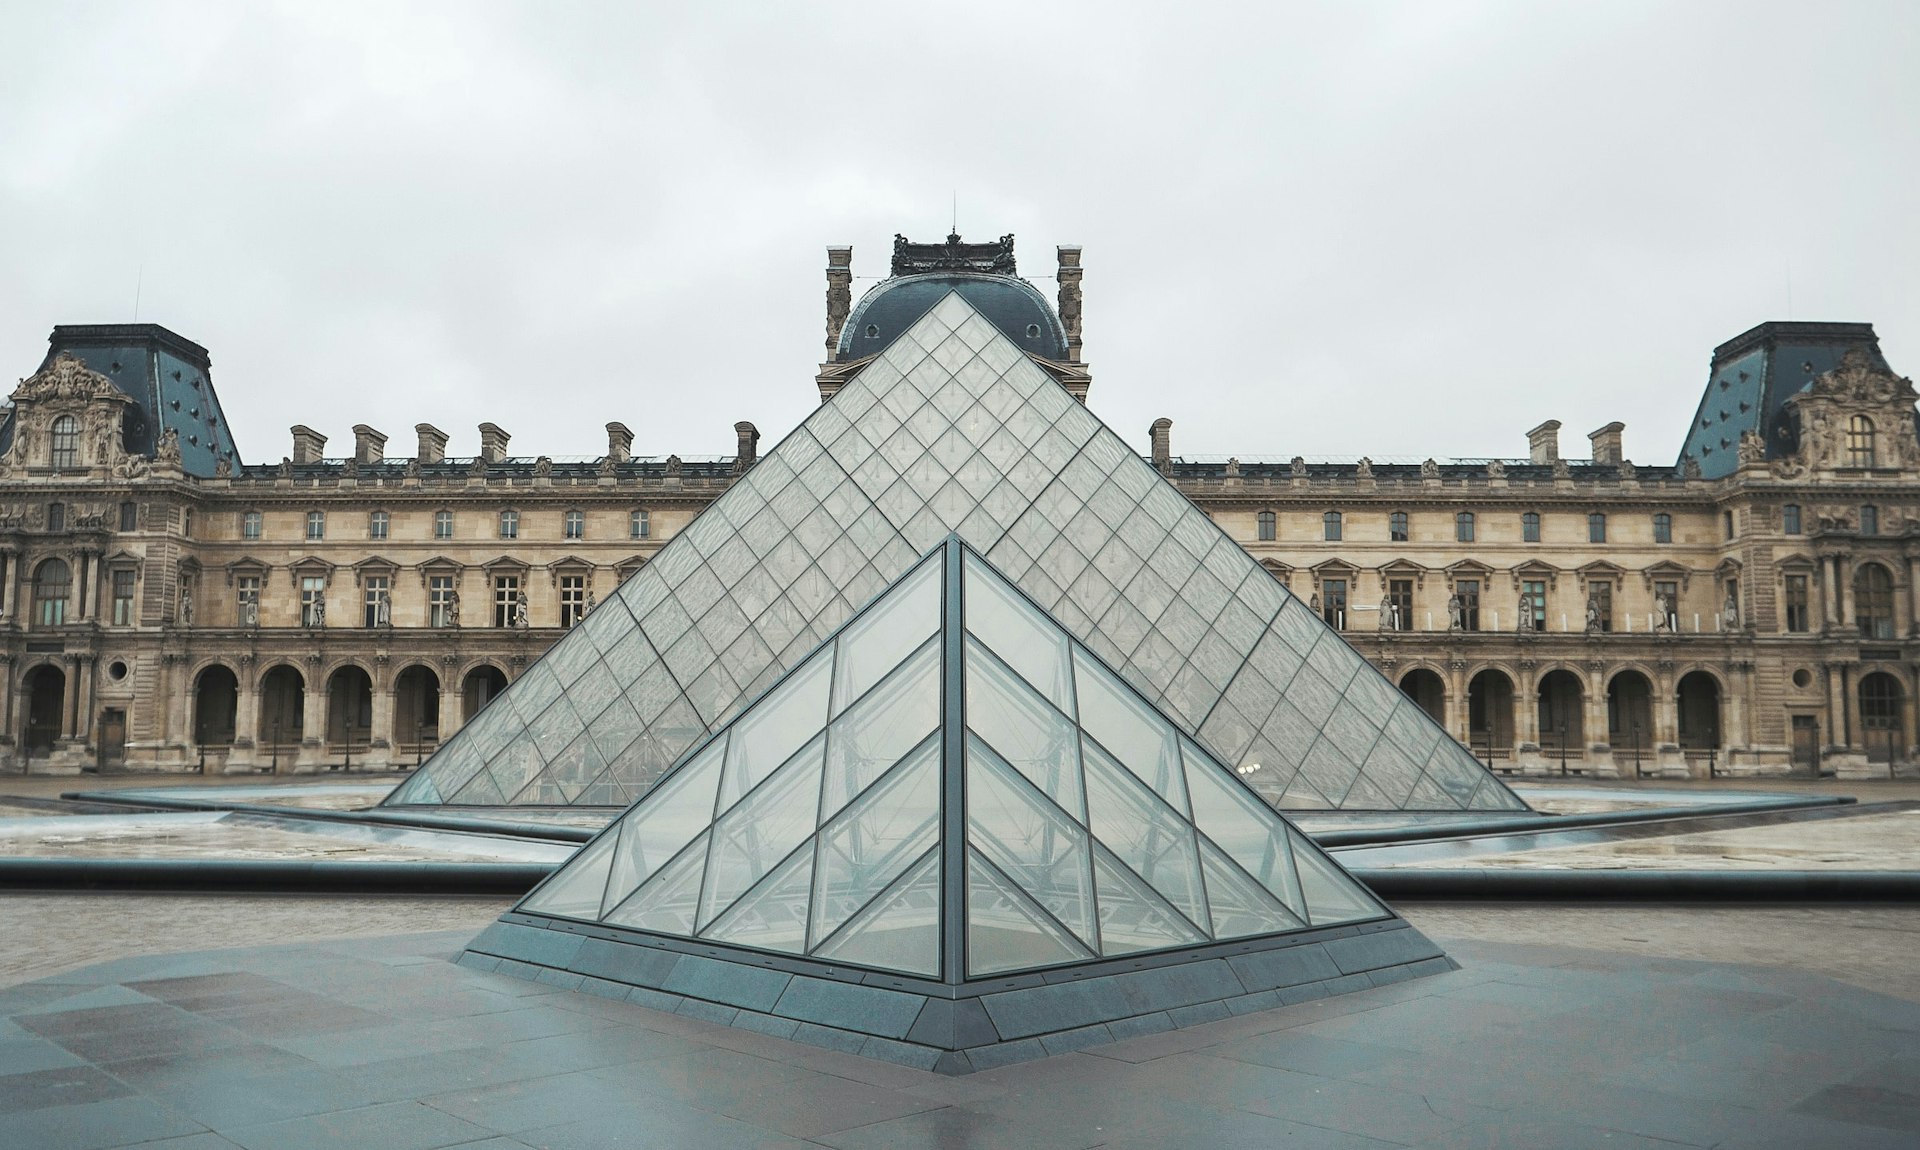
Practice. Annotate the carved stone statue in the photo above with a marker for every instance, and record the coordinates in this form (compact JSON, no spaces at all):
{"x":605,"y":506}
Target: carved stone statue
{"x":1456,"y":612}
{"x":1496,"y":469}
{"x":520,"y":609}
{"x":286,"y":467}
{"x":1690,"y":469}
{"x":250,"y":613}
{"x":1365,"y":469}
{"x":1730,"y":614}
{"x":1524,"y":623}
{"x":186,"y":604}
{"x":1560,"y":469}
{"x":1752,"y":448}
{"x":169,"y":449}
{"x":1663,"y":608}
{"x":318,"y":618}
{"x":608,"y":468}
{"x":453,"y":608}
{"x":382,"y":608}
{"x":1389,"y":614}
{"x":478,"y":467}
{"x":1233,"y":469}
{"x":673,"y":467}
{"x":1430,"y":469}
{"x":1593,"y":614}
{"x":1627,"y":470}
{"x":588,"y":608}
{"x":223,"y":468}
{"x":542,"y":467}
{"x":1298,"y":467}
{"x":1313,"y":602}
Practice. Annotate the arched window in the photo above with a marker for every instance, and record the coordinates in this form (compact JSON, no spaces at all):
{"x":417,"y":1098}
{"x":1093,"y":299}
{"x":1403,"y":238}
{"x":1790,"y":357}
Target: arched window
{"x":1330,"y":526}
{"x":1397,"y":527}
{"x":1463,"y":527}
{"x":1860,"y":442}
{"x":52,"y":581}
{"x":66,"y":442}
{"x":1873,"y":601}
{"x":1269,"y":526}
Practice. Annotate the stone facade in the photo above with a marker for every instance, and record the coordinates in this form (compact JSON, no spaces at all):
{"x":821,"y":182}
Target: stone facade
{"x":352,"y":611}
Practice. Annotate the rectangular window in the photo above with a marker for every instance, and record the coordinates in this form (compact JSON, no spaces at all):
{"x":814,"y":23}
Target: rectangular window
{"x":313,"y":600}
{"x":1397,"y":527}
{"x":1269,"y":526}
{"x":1666,"y":605}
{"x":640,"y":525}
{"x":1797,"y":616}
{"x":250,"y":525}
{"x":1663,"y":528}
{"x":576,"y":525}
{"x":1533,"y":601}
{"x":573,"y":599}
{"x":377,"y":609}
{"x":443,"y":525}
{"x":1869,"y":519}
{"x":1530,"y":527}
{"x":1790,"y":519}
{"x":186,"y":522}
{"x":123,"y":598}
{"x":1600,"y":606}
{"x":247,"y":599}
{"x":1468,"y":592}
{"x":66,"y":442}
{"x":57,"y":516}
{"x":377,"y":525}
{"x":439,"y":600}
{"x":1400,"y":603}
{"x":509,"y":525}
{"x":129,"y":516}
{"x":506,"y":599}
{"x":1463,"y":526}
{"x":1597,"y":527}
{"x":1330,"y":526}
{"x":316,"y":525}
{"x":1333,"y":602}
{"x":1726,"y":520}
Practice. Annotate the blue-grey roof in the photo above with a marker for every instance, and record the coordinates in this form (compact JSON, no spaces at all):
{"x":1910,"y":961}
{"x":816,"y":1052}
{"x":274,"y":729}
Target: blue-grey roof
{"x":1011,"y":304}
{"x":167,"y":375}
{"x":1753,"y":376}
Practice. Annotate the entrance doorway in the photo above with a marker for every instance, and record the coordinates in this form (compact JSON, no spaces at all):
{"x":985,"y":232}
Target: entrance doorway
{"x":113,"y":738}
{"x":1806,"y":744}
{"x":482,"y":685}
{"x":1490,"y":715}
{"x":46,"y":702}
{"x":349,"y":709}
{"x":1425,"y":688}
{"x":215,"y":700}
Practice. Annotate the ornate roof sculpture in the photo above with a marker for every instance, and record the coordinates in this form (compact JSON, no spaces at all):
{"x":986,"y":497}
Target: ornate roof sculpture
{"x":994,"y":258}
{"x":953,"y":430}
{"x":948,"y":794}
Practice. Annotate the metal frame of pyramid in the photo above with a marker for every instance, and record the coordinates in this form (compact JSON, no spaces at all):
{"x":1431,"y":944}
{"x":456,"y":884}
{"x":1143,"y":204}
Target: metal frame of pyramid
{"x":953,"y":430}
{"x":953,"y":838}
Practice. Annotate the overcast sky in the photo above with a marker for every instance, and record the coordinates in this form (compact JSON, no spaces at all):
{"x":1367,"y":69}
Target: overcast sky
{"x":1399,"y":230}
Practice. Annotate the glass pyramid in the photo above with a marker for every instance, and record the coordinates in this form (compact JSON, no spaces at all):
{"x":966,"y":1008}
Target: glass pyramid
{"x":953,"y":788}
{"x":954,"y":430}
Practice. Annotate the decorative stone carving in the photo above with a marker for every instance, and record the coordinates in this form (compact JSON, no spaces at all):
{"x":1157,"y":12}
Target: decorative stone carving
{"x":1690,"y":469}
{"x":543,"y":467}
{"x":1496,"y":469}
{"x":1752,"y":449}
{"x":168,"y":452}
{"x":1456,"y":612}
{"x":1430,"y":469}
{"x":453,"y":609}
{"x":1560,"y":470}
{"x":382,"y":608}
{"x":1233,"y":469}
{"x":608,"y":468}
{"x":673,"y":467}
{"x":318,"y":618}
{"x":222,"y":468}
{"x":1365,"y":469}
{"x":1593,"y":615}
{"x":186,"y":602}
{"x":520,"y":610}
{"x":1627,"y":470}
{"x":1297,"y":468}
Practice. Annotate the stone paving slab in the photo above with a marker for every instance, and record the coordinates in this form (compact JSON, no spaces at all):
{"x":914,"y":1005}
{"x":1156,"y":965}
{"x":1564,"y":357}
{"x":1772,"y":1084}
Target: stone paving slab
{"x":383,"y":1042}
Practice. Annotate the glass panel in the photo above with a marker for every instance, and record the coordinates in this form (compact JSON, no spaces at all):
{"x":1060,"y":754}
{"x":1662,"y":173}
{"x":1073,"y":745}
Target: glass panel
{"x":1005,"y":931}
{"x":575,"y":890}
{"x":890,"y":721}
{"x":900,"y":931}
{"x":1250,"y":833}
{"x":754,"y":836}
{"x":868,"y":845}
{"x":877,"y":642}
{"x":1029,"y":839}
{"x":1024,"y":639}
{"x":766,"y":736}
{"x":1239,"y":906}
{"x":772,"y":916}
{"x":1132,"y":916}
{"x":1332,"y":896}
{"x":1128,"y":729}
{"x":1037,"y":740}
{"x":1156,"y":843}
{"x":669,"y":818}
{"x":666,"y":904}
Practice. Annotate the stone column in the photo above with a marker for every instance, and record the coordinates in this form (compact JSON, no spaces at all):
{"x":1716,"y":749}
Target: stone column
{"x":380,"y":732}
{"x":246,"y":708}
{"x":1526,"y":705}
{"x":1596,"y":706}
{"x":313,"y":718}
{"x":1913,"y":595}
{"x":1837,"y":734}
{"x":8,"y":561}
{"x":1843,"y":592}
{"x":1456,"y":709}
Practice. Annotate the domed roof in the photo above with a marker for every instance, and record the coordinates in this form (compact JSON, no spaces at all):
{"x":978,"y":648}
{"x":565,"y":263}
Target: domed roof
{"x":1011,"y":304}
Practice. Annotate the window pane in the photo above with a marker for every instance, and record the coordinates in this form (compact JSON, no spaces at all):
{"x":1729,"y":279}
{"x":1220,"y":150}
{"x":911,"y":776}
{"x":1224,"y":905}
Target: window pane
{"x":1153,"y":841}
{"x":1034,"y":738}
{"x":1130,"y":730}
{"x":877,"y":643}
{"x":1228,"y":814}
{"x":1023,"y":639}
{"x":673,"y":815}
{"x":872,"y":843}
{"x":900,"y":931}
{"x":890,"y":721}
{"x":1133,"y":916}
{"x":1005,"y":930}
{"x":763,"y":740}
{"x":1031,"y":841}
{"x":756,"y":834}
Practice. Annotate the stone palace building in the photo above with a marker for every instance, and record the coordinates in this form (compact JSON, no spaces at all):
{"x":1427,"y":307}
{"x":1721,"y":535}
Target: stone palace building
{"x":1752,"y":608}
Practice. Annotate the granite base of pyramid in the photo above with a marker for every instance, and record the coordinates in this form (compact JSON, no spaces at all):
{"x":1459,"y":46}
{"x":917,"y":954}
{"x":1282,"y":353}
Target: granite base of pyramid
{"x":956,"y":1029}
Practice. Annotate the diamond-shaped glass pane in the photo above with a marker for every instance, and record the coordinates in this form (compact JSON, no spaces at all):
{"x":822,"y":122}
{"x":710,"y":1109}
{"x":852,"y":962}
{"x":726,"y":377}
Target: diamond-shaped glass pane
{"x":871,"y":843}
{"x":1024,"y":731}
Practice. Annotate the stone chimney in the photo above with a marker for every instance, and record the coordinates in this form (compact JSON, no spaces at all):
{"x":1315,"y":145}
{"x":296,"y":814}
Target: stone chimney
{"x":1606,"y":443}
{"x":619,"y":442}
{"x":746,"y":447}
{"x":369,"y":446}
{"x":1543,"y":442}
{"x":309,"y":446}
{"x":433,"y":443}
{"x":839,"y":295}
{"x":493,"y":442}
{"x":1162,"y":433}
{"x":1069,"y":276}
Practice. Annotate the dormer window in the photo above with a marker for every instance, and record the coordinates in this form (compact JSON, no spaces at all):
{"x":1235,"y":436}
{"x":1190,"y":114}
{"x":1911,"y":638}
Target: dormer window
{"x":1033,"y":331}
{"x":66,"y":442}
{"x":1859,"y":442}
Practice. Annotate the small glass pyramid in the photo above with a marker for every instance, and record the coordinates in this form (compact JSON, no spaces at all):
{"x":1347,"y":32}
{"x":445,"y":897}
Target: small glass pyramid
{"x":952,"y":787}
{"x":954,"y":430}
